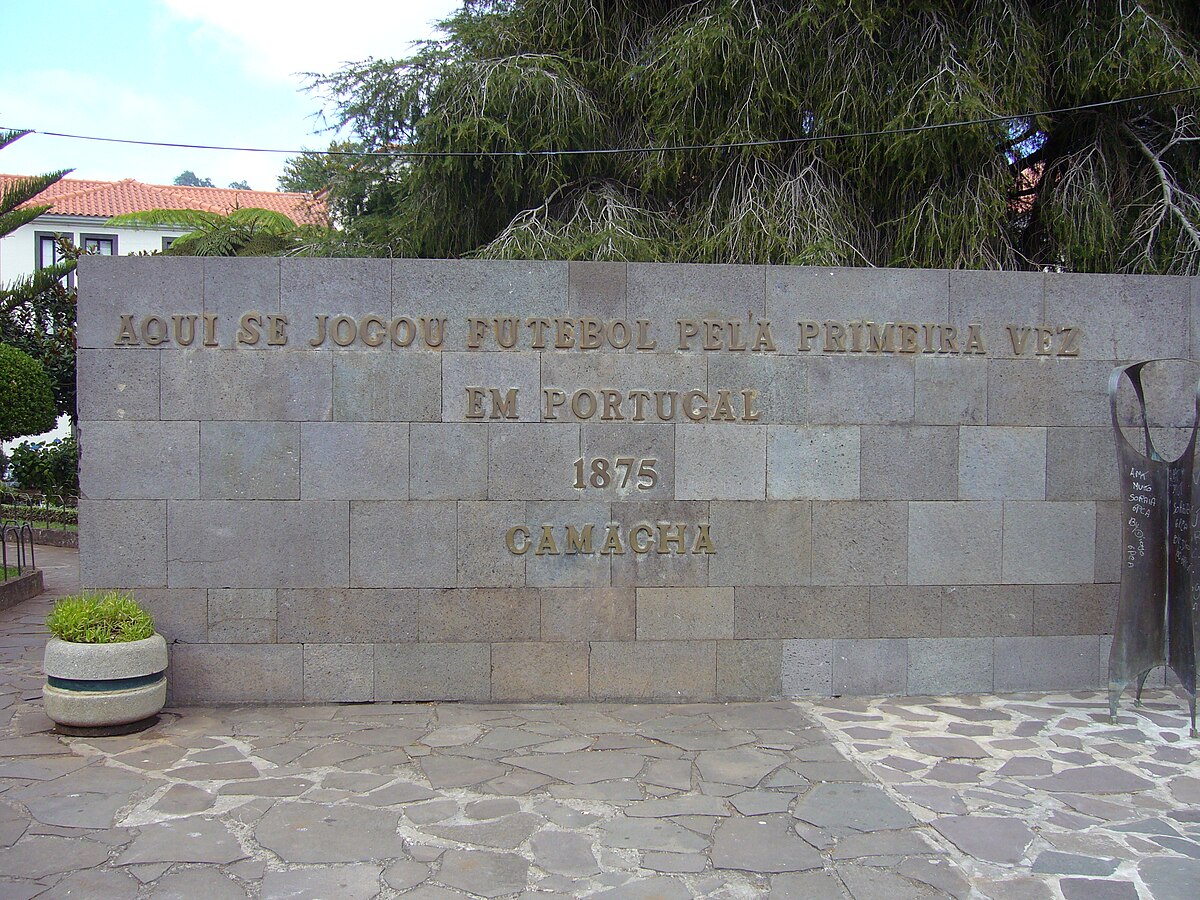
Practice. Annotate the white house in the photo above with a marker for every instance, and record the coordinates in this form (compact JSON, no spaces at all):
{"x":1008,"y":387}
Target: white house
{"x":80,"y":208}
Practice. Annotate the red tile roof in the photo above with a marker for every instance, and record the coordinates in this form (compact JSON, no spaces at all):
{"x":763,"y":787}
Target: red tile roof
{"x":103,"y":199}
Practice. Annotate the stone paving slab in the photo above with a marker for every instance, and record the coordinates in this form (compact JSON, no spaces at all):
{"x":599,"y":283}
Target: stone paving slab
{"x":1020,"y":796}
{"x":1056,"y":801}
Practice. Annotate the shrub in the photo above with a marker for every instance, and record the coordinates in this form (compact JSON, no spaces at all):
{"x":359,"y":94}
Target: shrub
{"x":26,"y":399}
{"x":109,"y":618}
{"x":51,"y":468}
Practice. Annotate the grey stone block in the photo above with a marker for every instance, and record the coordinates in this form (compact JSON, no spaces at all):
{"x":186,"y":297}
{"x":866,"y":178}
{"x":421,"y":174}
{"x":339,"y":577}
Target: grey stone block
{"x":347,"y":616}
{"x":564,"y":569}
{"x":808,"y":668}
{"x":949,"y":665}
{"x":374,"y":386}
{"x":870,"y":666}
{"x":859,"y":543}
{"x":597,"y":288}
{"x":483,"y":558}
{"x":682,"y":614}
{"x":1049,"y":543}
{"x":123,"y":543}
{"x":456,"y":289}
{"x":760,"y":543}
{"x":781,"y":383}
{"x":861,"y":391}
{"x":950,"y":391}
{"x":433,"y":672}
{"x":796,"y":293}
{"x":663,"y":569}
{"x":749,"y":670}
{"x":252,"y":544}
{"x":355,"y":460}
{"x":720,"y":462}
{"x":1047,"y":391}
{"x":916,"y":462}
{"x":954,"y":543}
{"x":118,"y":384}
{"x":139,"y":461}
{"x":817,"y":463}
{"x":622,"y":372}
{"x":213,"y":385}
{"x":477,"y":286}
{"x":1194,"y":319}
{"x":241,"y":616}
{"x":1122,"y":316}
{"x":234,"y":286}
{"x":112,"y":286}
{"x":588,"y":614}
{"x":1075,"y":608}
{"x":333,"y":287}
{"x":250,"y":460}
{"x":339,"y":673}
{"x":1109,"y":538}
{"x":906,"y":612}
{"x":987,"y":610}
{"x":996,"y":300}
{"x":480,"y":614}
{"x":667,"y":293}
{"x":179,"y":615}
{"x":997,"y":463}
{"x":1047,"y":663}
{"x":537,"y":671}
{"x":800,"y":612}
{"x":512,"y":446}
{"x":653,"y":670}
{"x":236,"y":673}
{"x":402,"y":544}
{"x":645,"y":443}
{"x":448,"y":461}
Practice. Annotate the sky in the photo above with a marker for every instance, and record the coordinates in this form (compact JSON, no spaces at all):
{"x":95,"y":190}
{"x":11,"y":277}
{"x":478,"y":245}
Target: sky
{"x":224,"y":72}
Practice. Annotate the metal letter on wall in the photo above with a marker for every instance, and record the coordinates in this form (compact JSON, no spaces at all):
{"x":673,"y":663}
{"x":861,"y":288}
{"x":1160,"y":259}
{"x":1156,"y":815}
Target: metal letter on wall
{"x":1157,"y":615}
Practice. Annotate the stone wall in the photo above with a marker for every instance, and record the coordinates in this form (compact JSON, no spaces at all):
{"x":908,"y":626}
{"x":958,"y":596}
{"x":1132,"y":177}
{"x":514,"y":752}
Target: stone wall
{"x":870,"y":481}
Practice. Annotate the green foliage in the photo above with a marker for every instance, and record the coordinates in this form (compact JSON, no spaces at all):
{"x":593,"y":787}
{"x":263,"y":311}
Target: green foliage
{"x":1113,"y":188}
{"x":240,"y":185}
{"x":188,"y":178}
{"x":51,"y":468}
{"x":42,"y":515}
{"x":37,"y":312}
{"x":244,"y":232}
{"x":26,"y":401}
{"x":112,"y":617}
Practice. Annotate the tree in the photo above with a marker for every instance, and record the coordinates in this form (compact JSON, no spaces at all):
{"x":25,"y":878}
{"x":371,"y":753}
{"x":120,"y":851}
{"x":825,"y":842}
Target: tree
{"x":339,"y":173}
{"x":240,"y":185}
{"x":37,"y":312}
{"x":188,"y":178}
{"x":314,"y":171}
{"x":26,"y":401}
{"x":799,"y":132}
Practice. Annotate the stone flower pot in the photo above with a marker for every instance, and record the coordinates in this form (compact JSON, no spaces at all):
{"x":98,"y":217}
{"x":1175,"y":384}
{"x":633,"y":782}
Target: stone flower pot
{"x":105,"y":688}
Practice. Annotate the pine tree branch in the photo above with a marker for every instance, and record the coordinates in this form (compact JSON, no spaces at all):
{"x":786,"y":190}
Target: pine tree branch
{"x":1169,"y":189}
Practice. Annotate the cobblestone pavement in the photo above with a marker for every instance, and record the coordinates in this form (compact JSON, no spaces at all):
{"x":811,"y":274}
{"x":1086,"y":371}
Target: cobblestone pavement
{"x":1030,"y":796}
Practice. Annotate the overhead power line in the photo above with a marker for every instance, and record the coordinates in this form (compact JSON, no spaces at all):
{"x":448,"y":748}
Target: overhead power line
{"x":673,"y":148}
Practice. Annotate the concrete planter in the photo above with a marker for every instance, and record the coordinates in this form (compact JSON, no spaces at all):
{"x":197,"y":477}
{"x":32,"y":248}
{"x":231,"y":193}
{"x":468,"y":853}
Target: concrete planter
{"x":105,"y":687}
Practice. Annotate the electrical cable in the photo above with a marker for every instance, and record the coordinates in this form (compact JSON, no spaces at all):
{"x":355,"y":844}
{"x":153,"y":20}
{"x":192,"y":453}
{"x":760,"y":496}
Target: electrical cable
{"x":675,"y":148}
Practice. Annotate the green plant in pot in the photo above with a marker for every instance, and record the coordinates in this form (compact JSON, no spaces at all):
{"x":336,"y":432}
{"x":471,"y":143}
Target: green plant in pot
{"x":105,"y":665}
